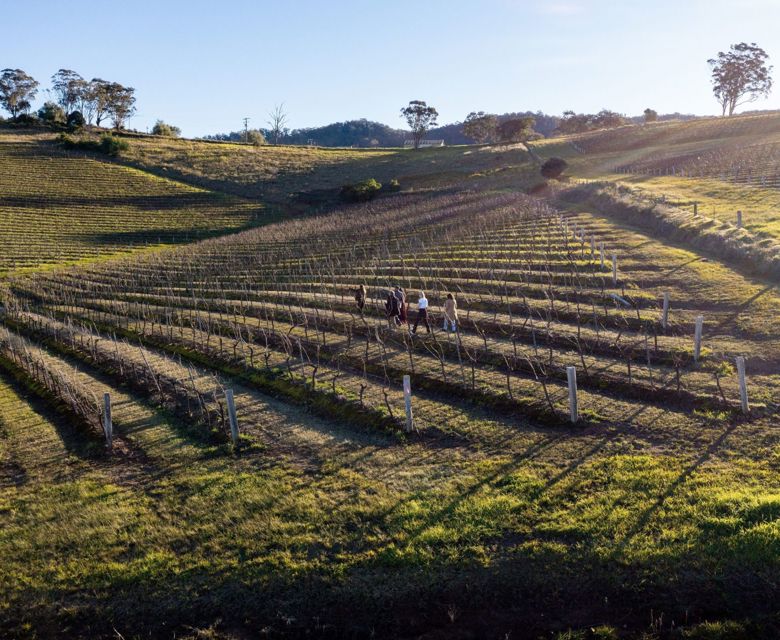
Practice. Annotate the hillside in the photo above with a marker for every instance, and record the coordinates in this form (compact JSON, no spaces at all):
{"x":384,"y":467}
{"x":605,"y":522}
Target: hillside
{"x":282,"y":173}
{"x":724,"y":165}
{"x":60,"y":208}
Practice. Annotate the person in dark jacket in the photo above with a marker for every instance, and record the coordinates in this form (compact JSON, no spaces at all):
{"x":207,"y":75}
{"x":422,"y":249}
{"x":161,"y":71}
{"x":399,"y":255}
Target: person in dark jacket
{"x":392,"y":309}
{"x":360,"y":297}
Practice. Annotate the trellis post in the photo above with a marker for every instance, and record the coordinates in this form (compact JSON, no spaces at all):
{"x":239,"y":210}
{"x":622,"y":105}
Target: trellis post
{"x":408,"y":403}
{"x":571,"y":374}
{"x":697,"y":338}
{"x":743,"y":396}
{"x":108,"y":425}
{"x":231,"y":406}
{"x":665,"y":312}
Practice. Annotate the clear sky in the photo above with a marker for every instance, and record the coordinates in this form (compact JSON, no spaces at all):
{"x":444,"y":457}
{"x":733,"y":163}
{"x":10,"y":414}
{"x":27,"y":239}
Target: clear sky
{"x":204,"y":65}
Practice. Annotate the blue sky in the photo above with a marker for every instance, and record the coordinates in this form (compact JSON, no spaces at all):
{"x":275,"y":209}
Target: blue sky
{"x":205,"y":65}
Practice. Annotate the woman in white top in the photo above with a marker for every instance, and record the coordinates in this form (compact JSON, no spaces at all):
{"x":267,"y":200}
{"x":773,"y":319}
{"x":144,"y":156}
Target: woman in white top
{"x":422,"y":313}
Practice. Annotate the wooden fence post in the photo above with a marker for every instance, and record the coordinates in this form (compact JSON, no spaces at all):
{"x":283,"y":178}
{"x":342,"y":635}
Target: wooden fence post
{"x":743,"y":396}
{"x":571,"y":374}
{"x":614,"y":269}
{"x":408,"y":404}
{"x":696,"y":208}
{"x":592,"y":247}
{"x":231,"y":404}
{"x":665,"y":313}
{"x":601,"y":252}
{"x":108,"y":425}
{"x":697,"y":338}
{"x":739,"y":219}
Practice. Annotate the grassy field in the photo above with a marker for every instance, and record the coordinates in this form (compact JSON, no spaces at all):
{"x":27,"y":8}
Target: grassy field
{"x":60,"y":208}
{"x":279,"y":173}
{"x":655,"y":516}
{"x":652,"y":150}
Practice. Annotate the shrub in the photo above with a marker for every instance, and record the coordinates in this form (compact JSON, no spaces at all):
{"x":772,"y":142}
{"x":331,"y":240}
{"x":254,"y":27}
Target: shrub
{"x":107,"y":144}
{"x":112,"y":146}
{"x":164,"y":129}
{"x":52,"y":114}
{"x":361,"y":191}
{"x":256,"y":138}
{"x":553,"y":168}
{"x":75,"y":121}
{"x":392,"y":186}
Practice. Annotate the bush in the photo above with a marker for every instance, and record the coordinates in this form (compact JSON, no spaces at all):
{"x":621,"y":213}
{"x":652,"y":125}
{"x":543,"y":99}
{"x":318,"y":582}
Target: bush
{"x":112,"y":146}
{"x":164,"y":129}
{"x":52,"y":114}
{"x":553,"y":168}
{"x":107,"y":144}
{"x":24,"y":120}
{"x":75,"y":121}
{"x":256,"y":138}
{"x":360,"y":192}
{"x":392,"y":187}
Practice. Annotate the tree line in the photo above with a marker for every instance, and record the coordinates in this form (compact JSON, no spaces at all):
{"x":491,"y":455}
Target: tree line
{"x":76,"y":101}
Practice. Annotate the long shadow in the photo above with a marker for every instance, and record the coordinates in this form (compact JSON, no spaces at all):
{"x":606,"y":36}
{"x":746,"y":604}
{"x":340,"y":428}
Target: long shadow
{"x":646,"y":516}
{"x":190,"y":201}
{"x":745,"y":305}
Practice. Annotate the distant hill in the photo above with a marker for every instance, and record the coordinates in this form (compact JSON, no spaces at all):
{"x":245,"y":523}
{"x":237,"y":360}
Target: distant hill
{"x":367,"y":133}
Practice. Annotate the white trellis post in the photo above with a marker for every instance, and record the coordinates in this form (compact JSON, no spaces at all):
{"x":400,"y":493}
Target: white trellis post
{"x":743,"y":396}
{"x":697,"y":338}
{"x":231,"y":406}
{"x":614,"y":269}
{"x":571,"y":374}
{"x":108,"y":425}
{"x":665,"y":312}
{"x":408,"y":403}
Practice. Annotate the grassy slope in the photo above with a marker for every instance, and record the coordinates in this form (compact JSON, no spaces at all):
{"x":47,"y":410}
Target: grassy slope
{"x":274,"y":173}
{"x":678,"y":516}
{"x":58,"y":209}
{"x":717,"y":199}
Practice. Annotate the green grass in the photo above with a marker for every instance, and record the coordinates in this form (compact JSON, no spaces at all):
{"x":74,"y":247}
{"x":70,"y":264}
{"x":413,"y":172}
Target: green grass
{"x":60,"y":209}
{"x":656,"y":523}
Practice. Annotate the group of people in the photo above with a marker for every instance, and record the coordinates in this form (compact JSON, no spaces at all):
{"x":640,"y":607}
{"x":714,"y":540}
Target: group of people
{"x":397,"y":309}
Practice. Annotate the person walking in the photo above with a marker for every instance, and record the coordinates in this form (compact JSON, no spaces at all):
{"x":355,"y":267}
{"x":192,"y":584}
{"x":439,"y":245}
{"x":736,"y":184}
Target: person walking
{"x":422,"y":314}
{"x":404,"y":307}
{"x":360,"y":297}
{"x":400,"y":301}
{"x":391,"y":307}
{"x":450,"y":313}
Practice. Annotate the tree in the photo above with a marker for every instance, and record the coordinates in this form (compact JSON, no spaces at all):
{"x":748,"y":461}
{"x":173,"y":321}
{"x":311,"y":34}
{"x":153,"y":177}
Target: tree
{"x":420,"y":117}
{"x":606,"y":119}
{"x":516,"y":129}
{"x":574,"y":122}
{"x":164,"y":129}
{"x":69,"y":87}
{"x":480,"y":126}
{"x":121,"y":104}
{"x":17,"y":90}
{"x":96,"y":100}
{"x":553,"y":168}
{"x":651,"y":115}
{"x":740,"y":75}
{"x":278,"y":118}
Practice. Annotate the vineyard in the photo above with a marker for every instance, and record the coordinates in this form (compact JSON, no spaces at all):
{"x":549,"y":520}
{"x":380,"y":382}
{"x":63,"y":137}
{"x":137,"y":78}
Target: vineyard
{"x":586,"y":417}
{"x":56,"y":208}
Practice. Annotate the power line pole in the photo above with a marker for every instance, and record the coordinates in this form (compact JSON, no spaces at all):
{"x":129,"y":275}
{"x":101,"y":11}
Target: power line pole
{"x":246,"y":129}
